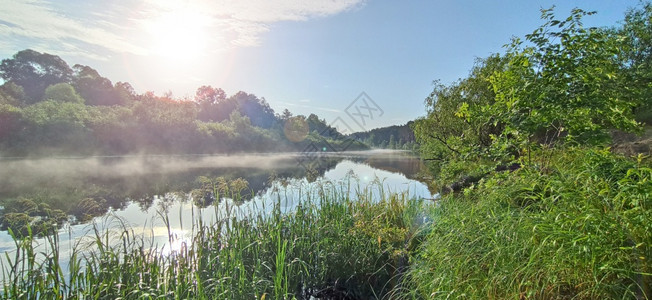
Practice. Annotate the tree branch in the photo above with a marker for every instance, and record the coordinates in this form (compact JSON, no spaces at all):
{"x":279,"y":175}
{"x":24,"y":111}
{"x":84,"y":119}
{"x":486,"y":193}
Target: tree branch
{"x":443,"y":142}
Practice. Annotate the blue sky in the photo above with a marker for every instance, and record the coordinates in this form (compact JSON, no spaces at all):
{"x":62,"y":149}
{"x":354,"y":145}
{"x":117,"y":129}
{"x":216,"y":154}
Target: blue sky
{"x":307,"y":56}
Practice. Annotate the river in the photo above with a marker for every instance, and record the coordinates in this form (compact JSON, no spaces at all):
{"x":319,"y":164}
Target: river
{"x":140,"y":191}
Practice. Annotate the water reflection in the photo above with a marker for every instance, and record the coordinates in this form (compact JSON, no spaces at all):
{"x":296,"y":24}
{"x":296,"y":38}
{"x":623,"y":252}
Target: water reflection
{"x":157,"y":197}
{"x":84,"y":188}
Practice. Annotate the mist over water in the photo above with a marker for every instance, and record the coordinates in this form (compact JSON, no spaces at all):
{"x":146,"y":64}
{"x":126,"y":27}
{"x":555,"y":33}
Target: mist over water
{"x":137,"y":189}
{"x":118,"y":166}
{"x":122,"y":178}
{"x":47,"y":172}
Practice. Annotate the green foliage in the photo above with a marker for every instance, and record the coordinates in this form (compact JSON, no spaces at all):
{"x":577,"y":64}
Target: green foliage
{"x":296,"y":129}
{"x":636,"y":59}
{"x":219,"y":131}
{"x":257,"y":110}
{"x":12,"y":94}
{"x":565,"y":83}
{"x":456,"y":170}
{"x":34,"y":71}
{"x":18,"y":223}
{"x":125,"y":92}
{"x":391,"y":223}
{"x":52,"y":113}
{"x":43,"y":114}
{"x":62,"y":92}
{"x":96,"y":89}
{"x":56,"y":125}
{"x":449,"y":130}
{"x":211,"y":103}
{"x":164,"y":113}
{"x":10,"y":119}
{"x":403,"y":136}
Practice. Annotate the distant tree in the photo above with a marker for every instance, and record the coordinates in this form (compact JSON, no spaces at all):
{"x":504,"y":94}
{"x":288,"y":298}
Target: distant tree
{"x":164,"y":124}
{"x":242,"y":124}
{"x":12,"y":94}
{"x":208,"y":99}
{"x":320,"y":127}
{"x":392,"y":142}
{"x":207,"y":94}
{"x":296,"y":129}
{"x":125,"y":92}
{"x":10,"y":117}
{"x":168,"y":95}
{"x":372,"y":139}
{"x":62,"y":92}
{"x":258,"y":110}
{"x":50,"y":113}
{"x":400,"y":133}
{"x":316,"y":125}
{"x":95,"y":89}
{"x":286,"y":115}
{"x":35,"y":71}
{"x":160,"y":113}
{"x":55,"y":124}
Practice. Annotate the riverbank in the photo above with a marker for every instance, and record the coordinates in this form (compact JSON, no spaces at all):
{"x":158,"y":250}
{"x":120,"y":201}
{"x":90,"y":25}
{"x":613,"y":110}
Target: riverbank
{"x":574,"y":224}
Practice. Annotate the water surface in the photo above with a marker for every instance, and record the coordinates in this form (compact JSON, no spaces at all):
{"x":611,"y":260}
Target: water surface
{"x":137,"y":191}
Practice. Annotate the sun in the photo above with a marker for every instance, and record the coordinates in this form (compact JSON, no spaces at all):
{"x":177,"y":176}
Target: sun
{"x":178,"y":35}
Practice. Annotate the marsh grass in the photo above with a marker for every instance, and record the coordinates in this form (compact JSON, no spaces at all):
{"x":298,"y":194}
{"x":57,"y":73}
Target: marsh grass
{"x":341,"y":242}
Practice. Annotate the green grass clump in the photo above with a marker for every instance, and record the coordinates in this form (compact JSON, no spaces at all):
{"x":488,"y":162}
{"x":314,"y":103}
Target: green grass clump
{"x":577,"y":226}
{"x":334,"y":245}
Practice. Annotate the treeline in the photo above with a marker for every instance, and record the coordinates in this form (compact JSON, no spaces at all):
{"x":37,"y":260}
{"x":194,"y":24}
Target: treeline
{"x":564,"y":84}
{"x":538,"y":206}
{"x":48,"y":107}
{"x":391,"y":137}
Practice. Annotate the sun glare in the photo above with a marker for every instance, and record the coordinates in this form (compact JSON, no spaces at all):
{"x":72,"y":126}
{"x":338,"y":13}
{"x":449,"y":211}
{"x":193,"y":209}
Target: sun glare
{"x":179,"y":35}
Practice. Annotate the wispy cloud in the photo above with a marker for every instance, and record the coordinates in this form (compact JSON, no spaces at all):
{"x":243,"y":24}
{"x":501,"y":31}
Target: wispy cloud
{"x":251,"y":17}
{"x":248,"y":19}
{"x":38,"y":20}
{"x":119,"y":26}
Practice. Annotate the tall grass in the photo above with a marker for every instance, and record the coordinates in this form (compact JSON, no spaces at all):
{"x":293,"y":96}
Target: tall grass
{"x":577,"y":225}
{"x":334,"y":245}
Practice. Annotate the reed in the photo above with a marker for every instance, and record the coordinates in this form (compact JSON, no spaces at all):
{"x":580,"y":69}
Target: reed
{"x":329,"y":246}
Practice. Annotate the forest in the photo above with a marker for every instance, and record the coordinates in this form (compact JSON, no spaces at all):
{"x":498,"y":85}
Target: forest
{"x":50,"y":108}
{"x":391,"y":137}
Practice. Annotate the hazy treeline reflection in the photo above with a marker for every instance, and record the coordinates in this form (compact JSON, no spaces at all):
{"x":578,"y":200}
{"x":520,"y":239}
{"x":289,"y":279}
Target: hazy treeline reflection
{"x":54,"y":188}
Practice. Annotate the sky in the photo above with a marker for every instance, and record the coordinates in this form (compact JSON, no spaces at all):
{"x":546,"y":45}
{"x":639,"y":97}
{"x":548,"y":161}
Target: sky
{"x":335,"y":58}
